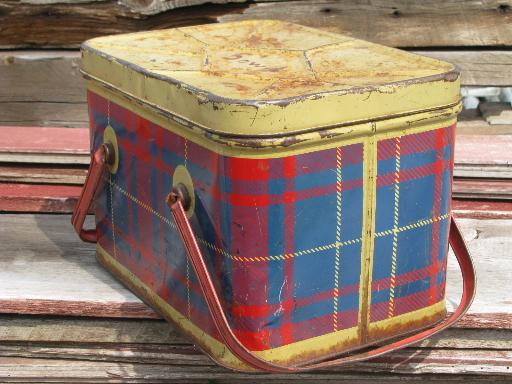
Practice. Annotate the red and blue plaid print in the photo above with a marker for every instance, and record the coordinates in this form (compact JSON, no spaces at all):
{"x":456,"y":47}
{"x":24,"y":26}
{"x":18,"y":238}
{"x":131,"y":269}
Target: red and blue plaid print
{"x":268,"y":228}
{"x":414,"y":174}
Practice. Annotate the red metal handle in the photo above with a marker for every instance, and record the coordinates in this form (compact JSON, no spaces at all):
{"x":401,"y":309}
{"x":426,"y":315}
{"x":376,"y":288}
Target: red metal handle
{"x":174,"y":200}
{"x":100,"y":158}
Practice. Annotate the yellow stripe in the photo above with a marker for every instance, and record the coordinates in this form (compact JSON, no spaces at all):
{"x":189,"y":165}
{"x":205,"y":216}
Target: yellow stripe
{"x":391,"y":305}
{"x":338,"y":237}
{"x":285,"y":256}
{"x":368,"y":230}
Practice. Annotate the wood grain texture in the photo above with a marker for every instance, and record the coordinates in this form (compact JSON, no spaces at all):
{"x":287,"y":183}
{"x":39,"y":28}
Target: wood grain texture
{"x":400,"y":23}
{"x":50,"y":174}
{"x":142,"y":346}
{"x":44,"y":145}
{"x":41,"y":76}
{"x":489,"y":189}
{"x":481,"y":209}
{"x":441,"y":370}
{"x":50,"y":114}
{"x":69,"y":23}
{"x":478,"y":68}
{"x":64,"y":331}
{"x":44,"y":268}
{"x":19,"y":197}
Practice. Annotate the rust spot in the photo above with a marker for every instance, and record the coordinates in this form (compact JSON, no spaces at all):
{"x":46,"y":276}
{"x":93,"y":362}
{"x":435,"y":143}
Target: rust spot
{"x":398,"y":329}
{"x":451,"y":76}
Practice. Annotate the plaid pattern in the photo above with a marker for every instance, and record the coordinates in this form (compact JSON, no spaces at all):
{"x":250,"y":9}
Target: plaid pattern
{"x":412,"y":221}
{"x":282,"y":237}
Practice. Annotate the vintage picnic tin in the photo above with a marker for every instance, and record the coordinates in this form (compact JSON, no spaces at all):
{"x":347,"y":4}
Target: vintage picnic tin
{"x":319,"y":169}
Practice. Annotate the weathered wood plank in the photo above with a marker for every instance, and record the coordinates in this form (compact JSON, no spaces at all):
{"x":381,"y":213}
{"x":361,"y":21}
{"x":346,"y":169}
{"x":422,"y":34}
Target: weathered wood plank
{"x":67,"y":24}
{"x":50,"y":114}
{"x":482,"y":127}
{"x":408,"y":361}
{"x":18,"y":197}
{"x":44,"y":268}
{"x":478,"y":68}
{"x":483,"y":156}
{"x":489,"y":242}
{"x":44,"y":145}
{"x":398,"y":23}
{"x":482,"y":209}
{"x":41,"y":76}
{"x":498,"y":189}
{"x":395,"y":23}
{"x":492,"y":365}
{"x":51,"y":174}
{"x":63,"y":331}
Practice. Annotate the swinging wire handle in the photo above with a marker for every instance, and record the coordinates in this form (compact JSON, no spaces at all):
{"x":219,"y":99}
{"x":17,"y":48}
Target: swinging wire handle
{"x":176,"y":201}
{"x":100,"y":159}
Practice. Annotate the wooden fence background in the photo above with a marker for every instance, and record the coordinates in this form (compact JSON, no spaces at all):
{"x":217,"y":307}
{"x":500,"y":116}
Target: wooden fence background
{"x":63,"y":319}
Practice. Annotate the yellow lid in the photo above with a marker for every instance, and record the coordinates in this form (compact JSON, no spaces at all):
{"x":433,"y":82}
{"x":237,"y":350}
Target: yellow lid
{"x":268,"y":78}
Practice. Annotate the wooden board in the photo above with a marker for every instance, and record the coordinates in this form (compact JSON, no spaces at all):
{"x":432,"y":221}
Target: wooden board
{"x":52,"y":114}
{"x":44,"y":145}
{"x":49,"y":174}
{"x":469,"y":368}
{"x":478,"y":68}
{"x":482,"y":209}
{"x":18,"y":197}
{"x":44,"y":268}
{"x":488,"y":156}
{"x":488,"y":189}
{"x":41,"y":76}
{"x":401,"y":23}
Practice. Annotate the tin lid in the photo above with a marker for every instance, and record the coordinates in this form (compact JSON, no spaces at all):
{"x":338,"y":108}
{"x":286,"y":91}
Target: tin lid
{"x":268,"y":78}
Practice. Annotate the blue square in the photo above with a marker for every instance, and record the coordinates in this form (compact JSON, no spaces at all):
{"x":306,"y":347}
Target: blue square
{"x":315,"y":179}
{"x":386,"y":166}
{"x":417,"y":159}
{"x":318,"y":309}
{"x":385,"y":208}
{"x":276,"y":186}
{"x":412,"y":287}
{"x":351,"y":214}
{"x":382,"y":257}
{"x":350,"y":264}
{"x":414,"y":249}
{"x":416,"y":200}
{"x":380,"y":295}
{"x":314,"y":273}
{"x":351,"y":172}
{"x":315,"y":222}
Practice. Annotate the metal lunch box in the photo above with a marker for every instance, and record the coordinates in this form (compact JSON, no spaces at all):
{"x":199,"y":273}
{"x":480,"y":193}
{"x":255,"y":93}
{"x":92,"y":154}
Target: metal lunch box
{"x":279,"y":193}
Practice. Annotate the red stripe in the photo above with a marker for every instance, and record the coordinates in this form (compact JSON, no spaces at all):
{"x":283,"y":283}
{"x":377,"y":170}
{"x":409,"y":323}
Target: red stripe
{"x":289,"y":166}
{"x":299,"y":302}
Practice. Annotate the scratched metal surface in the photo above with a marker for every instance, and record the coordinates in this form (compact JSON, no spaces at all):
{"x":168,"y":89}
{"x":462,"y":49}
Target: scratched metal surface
{"x":255,"y":77}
